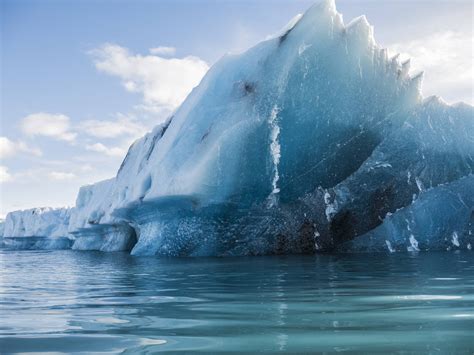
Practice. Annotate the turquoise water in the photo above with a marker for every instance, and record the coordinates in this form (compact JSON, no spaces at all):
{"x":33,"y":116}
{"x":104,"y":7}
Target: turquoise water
{"x":66,"y":302}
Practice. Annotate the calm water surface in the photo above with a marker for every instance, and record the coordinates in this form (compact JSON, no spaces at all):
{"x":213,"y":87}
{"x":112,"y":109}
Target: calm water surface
{"x":66,"y":302}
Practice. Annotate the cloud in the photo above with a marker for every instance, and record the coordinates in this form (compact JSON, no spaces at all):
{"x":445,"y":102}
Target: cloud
{"x":61,"y":175}
{"x":447,"y":60}
{"x":50,"y":125}
{"x":9,"y":148}
{"x":100,"y":148}
{"x":4,"y":174}
{"x":163,"y":82}
{"x":163,"y":51}
{"x":112,"y":129}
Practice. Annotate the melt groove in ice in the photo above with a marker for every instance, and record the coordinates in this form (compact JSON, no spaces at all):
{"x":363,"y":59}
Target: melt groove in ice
{"x":275,"y":152}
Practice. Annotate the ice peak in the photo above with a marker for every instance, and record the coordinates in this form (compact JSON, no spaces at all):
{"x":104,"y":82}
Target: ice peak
{"x":322,"y":7}
{"x":361,"y":27}
{"x":435,"y":100}
{"x":406,"y":68}
{"x":417,"y":80}
{"x":329,"y":5}
{"x":395,"y":58}
{"x":360,"y":21}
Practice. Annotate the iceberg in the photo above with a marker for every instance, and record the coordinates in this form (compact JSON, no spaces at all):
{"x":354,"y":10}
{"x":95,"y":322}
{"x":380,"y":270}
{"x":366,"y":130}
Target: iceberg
{"x":37,"y":228}
{"x":312,"y":141}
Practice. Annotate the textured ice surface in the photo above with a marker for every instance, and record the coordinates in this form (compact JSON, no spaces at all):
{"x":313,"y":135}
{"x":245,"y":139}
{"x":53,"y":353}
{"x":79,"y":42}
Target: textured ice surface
{"x":441,"y":218}
{"x":313,"y":140}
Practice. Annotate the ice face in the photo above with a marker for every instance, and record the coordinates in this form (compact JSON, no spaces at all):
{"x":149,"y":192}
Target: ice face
{"x":92,"y":205}
{"x":92,"y":225}
{"x":37,"y":222}
{"x":313,"y":140}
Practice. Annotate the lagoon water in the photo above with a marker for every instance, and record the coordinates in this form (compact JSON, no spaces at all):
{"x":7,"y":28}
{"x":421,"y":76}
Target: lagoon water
{"x":91,"y":302}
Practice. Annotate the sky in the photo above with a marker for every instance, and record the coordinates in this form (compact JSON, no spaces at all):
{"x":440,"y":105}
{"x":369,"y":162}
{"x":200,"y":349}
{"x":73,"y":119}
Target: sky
{"x":82,"y":79}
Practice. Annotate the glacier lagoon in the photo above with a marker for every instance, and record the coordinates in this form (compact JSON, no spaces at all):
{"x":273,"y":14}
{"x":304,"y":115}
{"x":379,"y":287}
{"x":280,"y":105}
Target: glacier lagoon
{"x":92,"y":302}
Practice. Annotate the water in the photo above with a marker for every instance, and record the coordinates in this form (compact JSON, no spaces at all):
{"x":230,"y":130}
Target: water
{"x":66,"y":302}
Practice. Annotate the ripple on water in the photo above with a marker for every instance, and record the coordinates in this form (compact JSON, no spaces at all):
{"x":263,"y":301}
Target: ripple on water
{"x":70,"y":302}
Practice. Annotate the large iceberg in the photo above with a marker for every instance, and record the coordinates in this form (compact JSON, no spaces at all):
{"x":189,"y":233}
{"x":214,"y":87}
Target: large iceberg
{"x":313,"y":140}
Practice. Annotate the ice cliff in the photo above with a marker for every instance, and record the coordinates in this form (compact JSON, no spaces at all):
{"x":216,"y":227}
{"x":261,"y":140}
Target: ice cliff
{"x":314,"y":140}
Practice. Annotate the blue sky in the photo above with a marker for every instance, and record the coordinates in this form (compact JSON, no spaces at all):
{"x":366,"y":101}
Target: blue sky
{"x":80,"y":80}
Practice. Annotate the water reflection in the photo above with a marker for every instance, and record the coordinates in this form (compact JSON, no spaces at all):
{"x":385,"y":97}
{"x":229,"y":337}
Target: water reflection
{"x":66,"y":301}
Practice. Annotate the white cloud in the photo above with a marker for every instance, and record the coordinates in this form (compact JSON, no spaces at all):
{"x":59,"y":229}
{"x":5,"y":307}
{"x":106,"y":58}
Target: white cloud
{"x":5,"y":176}
{"x":50,"y":125}
{"x":100,"y":148}
{"x":9,"y":148}
{"x":61,"y":175}
{"x":112,"y":129}
{"x":163,"y":82}
{"x":163,"y":51}
{"x":447,"y":60}
{"x":85,"y":168}
{"x":24,"y":148}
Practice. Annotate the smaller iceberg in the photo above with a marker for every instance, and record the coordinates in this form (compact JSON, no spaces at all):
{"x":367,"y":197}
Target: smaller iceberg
{"x":37,"y":228}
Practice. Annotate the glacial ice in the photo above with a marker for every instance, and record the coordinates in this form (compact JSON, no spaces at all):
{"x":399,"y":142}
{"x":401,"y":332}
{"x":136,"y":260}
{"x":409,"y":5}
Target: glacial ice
{"x":313,"y":140}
